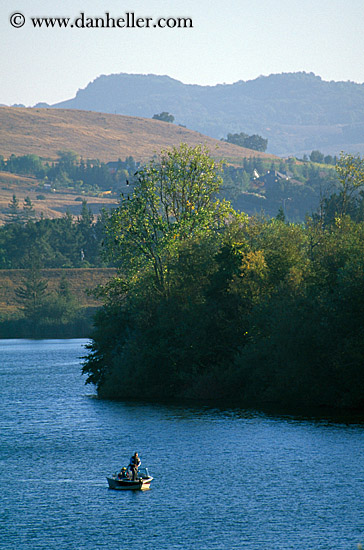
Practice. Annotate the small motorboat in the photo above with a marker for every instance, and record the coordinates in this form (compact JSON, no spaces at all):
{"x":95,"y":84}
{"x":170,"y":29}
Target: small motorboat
{"x":121,"y":483}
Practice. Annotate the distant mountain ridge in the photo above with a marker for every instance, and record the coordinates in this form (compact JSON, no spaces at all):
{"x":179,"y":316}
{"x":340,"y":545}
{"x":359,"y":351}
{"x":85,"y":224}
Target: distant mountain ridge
{"x":297,"y":112}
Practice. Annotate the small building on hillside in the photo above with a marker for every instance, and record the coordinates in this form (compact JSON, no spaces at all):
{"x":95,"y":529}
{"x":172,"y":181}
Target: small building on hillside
{"x":271,"y":177}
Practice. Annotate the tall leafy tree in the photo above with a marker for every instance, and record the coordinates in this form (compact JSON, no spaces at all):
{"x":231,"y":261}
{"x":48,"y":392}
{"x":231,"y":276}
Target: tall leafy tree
{"x":173,"y":200}
{"x":164,"y":239}
{"x":350,"y":170}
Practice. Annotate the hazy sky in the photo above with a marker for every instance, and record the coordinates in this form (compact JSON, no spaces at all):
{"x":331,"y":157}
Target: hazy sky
{"x":230,"y":40}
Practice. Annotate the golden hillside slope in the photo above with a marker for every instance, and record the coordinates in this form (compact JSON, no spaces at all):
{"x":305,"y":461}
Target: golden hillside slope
{"x":107,"y":137}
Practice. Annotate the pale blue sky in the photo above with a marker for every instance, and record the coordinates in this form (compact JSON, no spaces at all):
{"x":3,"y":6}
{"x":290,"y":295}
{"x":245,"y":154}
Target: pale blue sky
{"x":231,"y":40}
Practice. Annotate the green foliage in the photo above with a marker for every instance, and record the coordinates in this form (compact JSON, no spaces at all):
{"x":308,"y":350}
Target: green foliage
{"x":172,"y":201}
{"x":67,"y":159}
{"x":348,"y":198}
{"x":28,"y":210}
{"x":164,"y":117}
{"x":260,"y":311}
{"x":60,"y":307}
{"x":316,"y":156}
{"x":71,"y":171}
{"x":62,"y":242}
{"x":307,"y":341}
{"x":329,"y":159}
{"x":17,"y":216}
{"x":299,"y":192}
{"x":350,"y":170}
{"x":43,"y":312}
{"x":27,"y":164}
{"x":255,"y":142}
{"x":14,"y":214}
{"x":281,"y":215}
{"x":302,"y":192}
{"x":32,"y":294}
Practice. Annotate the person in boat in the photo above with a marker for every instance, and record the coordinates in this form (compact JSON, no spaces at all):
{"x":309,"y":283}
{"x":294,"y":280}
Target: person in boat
{"x":134,"y":465}
{"x":123,"y":474}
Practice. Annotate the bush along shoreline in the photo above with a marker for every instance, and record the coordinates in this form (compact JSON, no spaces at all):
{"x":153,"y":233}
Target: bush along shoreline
{"x":212,"y":304}
{"x":80,"y":327}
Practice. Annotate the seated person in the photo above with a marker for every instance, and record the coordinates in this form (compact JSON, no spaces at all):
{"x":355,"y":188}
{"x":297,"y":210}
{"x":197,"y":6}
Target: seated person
{"x":123,"y":474}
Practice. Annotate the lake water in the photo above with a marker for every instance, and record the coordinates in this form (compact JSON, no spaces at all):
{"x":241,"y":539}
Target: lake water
{"x":224,"y":478}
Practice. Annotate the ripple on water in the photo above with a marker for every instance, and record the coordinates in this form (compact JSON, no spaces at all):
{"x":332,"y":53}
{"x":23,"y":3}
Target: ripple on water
{"x":224,"y":478}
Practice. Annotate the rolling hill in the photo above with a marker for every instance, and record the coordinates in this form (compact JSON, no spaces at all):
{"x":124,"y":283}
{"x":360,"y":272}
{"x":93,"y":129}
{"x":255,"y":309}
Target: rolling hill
{"x":297,"y":112}
{"x":106,"y":137}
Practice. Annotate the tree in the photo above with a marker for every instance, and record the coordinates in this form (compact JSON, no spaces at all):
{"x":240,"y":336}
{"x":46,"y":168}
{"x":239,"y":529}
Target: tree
{"x":14,"y":214}
{"x":350,"y":171}
{"x":281,"y":215}
{"x":237,"y":139}
{"x":164,"y":239}
{"x":316,"y":156}
{"x":26,"y":164}
{"x":255,"y":142}
{"x":67,"y":159}
{"x":28,"y":209}
{"x":59,"y":307}
{"x":329,"y":159}
{"x":348,"y":201}
{"x":164,"y":117}
{"x":31,"y":295}
{"x":173,"y":200}
{"x":86,"y":218}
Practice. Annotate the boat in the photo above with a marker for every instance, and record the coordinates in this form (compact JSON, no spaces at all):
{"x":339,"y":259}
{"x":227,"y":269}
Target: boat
{"x":116,"y":481}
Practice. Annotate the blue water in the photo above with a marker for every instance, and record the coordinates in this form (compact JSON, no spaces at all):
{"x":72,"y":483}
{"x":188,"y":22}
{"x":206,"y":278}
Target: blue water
{"x":225,"y":479}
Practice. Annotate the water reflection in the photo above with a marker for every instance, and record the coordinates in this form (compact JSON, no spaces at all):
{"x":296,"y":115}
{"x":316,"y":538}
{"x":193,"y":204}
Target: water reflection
{"x":184,"y":410}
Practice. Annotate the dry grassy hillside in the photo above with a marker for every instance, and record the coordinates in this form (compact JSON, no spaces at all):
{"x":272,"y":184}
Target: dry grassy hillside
{"x":79,"y":281}
{"x":107,"y":137}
